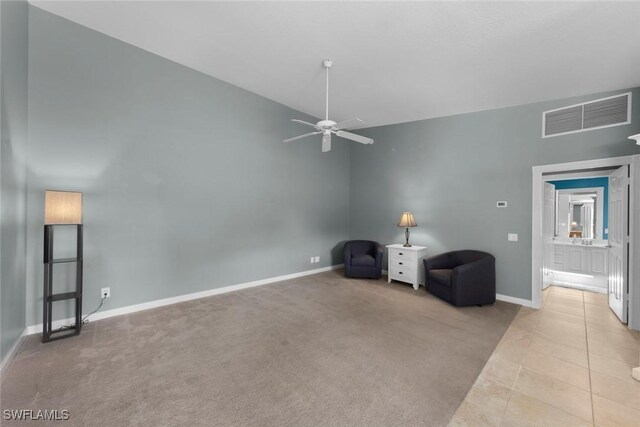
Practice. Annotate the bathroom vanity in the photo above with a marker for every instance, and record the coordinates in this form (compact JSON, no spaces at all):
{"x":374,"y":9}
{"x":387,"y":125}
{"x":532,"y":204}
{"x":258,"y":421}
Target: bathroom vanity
{"x":581,"y":263}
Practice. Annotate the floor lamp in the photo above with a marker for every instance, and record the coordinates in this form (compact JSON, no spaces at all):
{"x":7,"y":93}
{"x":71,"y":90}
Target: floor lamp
{"x":61,"y":208}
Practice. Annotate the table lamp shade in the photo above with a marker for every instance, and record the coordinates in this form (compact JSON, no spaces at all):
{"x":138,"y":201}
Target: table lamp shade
{"x":406,"y":220}
{"x":62,"y":207}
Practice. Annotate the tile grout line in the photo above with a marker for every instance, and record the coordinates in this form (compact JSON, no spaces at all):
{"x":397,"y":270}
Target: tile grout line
{"x":586,"y":335}
{"x":588,"y":366}
{"x":504,"y":411}
{"x":512,"y":388}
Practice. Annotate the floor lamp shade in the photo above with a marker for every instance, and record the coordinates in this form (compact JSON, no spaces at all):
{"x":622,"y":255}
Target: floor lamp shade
{"x":62,"y":207}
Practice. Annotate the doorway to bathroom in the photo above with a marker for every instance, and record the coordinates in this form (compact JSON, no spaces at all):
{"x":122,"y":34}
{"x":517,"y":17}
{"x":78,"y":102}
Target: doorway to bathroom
{"x":586,"y":226}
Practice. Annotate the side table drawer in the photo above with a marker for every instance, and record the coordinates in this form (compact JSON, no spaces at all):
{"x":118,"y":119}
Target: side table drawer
{"x":402,"y":274}
{"x":402,"y":254}
{"x":402,"y":263}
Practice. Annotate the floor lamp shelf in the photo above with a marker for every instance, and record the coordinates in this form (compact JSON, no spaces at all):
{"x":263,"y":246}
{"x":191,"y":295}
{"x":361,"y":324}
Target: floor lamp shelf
{"x":48,"y":334}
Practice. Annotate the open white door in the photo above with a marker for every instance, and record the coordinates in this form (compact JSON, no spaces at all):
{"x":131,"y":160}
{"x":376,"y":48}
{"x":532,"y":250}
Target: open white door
{"x":618,"y":238}
{"x":548,"y":234}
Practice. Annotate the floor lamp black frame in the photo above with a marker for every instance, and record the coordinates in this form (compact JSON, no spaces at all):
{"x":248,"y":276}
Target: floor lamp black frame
{"x":49,"y":297}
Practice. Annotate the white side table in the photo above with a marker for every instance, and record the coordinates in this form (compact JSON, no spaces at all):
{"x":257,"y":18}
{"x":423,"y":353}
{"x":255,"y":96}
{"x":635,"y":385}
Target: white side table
{"x":405,"y":264}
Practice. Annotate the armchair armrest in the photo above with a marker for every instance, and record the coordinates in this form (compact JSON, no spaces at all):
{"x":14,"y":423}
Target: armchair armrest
{"x":347,"y":254}
{"x":444,"y":261}
{"x":378,"y":253}
{"x":475,"y":282}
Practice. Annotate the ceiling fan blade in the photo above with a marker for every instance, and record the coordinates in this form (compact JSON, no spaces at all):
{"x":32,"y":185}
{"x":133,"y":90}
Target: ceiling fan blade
{"x":347,"y":123}
{"x":305,"y":123}
{"x":301,"y":136}
{"x":326,"y":142}
{"x":354,"y":137}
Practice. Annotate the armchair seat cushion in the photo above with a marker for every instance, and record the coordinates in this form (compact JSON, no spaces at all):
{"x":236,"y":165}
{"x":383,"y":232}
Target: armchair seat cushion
{"x":363,"y":260}
{"x":442,"y":277}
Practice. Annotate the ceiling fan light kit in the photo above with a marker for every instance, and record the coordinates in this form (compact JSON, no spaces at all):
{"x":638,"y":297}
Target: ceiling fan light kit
{"x":327,"y":127}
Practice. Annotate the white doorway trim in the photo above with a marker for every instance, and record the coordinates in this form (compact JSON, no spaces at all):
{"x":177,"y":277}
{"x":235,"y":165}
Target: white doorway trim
{"x":634,"y":226}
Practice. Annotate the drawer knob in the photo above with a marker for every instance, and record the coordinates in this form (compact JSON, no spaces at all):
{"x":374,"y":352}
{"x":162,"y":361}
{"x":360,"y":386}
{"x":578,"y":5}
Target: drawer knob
{"x":400,"y":253}
{"x":400,"y":263}
{"x":400,"y":272}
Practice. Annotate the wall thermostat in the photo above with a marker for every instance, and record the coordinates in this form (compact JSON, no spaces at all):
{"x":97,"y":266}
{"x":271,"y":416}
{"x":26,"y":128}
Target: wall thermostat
{"x":501,"y":204}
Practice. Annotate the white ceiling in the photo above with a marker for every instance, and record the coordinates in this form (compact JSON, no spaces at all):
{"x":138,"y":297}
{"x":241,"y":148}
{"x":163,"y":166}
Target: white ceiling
{"x":393,"y":61}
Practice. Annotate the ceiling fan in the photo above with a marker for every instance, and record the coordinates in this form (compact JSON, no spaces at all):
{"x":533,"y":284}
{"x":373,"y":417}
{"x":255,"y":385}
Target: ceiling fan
{"x":326,"y":127}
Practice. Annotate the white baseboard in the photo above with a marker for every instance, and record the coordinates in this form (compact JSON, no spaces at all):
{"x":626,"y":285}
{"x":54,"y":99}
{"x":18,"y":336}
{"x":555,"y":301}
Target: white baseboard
{"x":589,"y":282}
{"x":581,"y":287}
{"x":35,"y":329}
{"x":506,"y":298}
{"x":514,"y":300}
{"x":12,"y":351}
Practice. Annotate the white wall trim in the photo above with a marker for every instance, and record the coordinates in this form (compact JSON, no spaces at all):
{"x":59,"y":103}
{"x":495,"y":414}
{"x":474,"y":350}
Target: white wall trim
{"x":634,"y":246}
{"x":580,"y":286}
{"x":634,"y":207}
{"x":500,"y":297}
{"x":12,"y":352}
{"x":514,"y":300}
{"x":35,"y":329}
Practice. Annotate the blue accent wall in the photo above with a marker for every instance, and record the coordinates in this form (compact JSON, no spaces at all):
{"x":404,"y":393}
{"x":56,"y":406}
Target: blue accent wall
{"x":568,"y":184}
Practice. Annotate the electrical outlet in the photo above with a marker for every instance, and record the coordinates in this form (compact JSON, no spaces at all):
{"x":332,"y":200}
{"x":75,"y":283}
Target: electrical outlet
{"x":105,"y":293}
{"x":317,"y":259}
{"x":312,"y":260}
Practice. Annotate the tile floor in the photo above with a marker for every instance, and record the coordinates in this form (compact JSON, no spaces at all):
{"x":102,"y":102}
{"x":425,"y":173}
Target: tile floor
{"x":568,"y":364}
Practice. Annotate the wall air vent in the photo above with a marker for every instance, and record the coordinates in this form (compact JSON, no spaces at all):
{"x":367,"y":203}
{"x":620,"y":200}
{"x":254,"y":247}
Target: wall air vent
{"x":601,"y":113}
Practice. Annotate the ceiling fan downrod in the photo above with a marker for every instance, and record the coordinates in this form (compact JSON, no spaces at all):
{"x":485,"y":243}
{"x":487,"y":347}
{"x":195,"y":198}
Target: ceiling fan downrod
{"x":327,"y":63}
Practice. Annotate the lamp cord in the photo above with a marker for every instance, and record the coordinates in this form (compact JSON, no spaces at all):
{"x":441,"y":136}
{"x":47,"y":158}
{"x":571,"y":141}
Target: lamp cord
{"x":84,"y":320}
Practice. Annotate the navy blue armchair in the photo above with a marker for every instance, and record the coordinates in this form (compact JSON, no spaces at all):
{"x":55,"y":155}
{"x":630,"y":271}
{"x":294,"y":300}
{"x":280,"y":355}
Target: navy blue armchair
{"x":462,"y":277}
{"x":363,"y":259}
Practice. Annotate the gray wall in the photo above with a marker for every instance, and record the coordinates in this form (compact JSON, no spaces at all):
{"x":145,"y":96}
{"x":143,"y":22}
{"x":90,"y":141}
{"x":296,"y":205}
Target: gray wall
{"x":13,"y":125}
{"x":450,"y":172}
{"x":187,"y":185}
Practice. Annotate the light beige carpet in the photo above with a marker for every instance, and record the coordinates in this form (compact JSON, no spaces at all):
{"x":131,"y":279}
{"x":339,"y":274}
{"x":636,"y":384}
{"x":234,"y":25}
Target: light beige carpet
{"x":319,"y":350}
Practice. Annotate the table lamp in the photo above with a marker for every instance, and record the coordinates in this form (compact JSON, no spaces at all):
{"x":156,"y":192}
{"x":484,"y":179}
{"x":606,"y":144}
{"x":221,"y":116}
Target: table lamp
{"x":406,"y":220}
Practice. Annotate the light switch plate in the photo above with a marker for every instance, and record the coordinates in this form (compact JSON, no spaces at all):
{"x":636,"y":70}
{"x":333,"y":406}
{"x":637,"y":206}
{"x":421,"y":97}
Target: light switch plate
{"x":317,"y":259}
{"x":512,"y":237}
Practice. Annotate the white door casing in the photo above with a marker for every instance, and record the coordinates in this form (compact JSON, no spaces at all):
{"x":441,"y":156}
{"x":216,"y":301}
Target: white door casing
{"x":548,"y":223}
{"x":618,"y":238}
{"x":542,"y":173}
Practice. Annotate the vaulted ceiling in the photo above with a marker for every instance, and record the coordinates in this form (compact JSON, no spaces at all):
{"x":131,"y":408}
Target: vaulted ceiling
{"x":393,"y":61}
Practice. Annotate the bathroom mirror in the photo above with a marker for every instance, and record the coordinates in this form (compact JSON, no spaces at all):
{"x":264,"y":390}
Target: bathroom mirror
{"x":579,"y":213}
{"x":582,"y":215}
